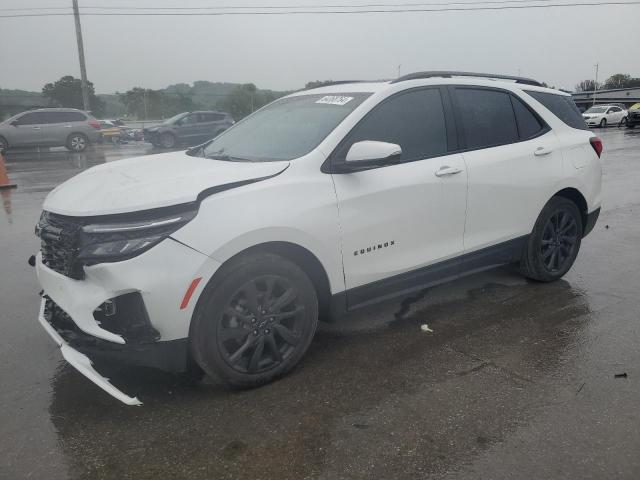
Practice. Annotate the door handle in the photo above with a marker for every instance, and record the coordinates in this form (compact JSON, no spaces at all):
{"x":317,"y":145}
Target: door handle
{"x":67,"y":126}
{"x":540,"y":151}
{"x":447,"y":170}
{"x":36,"y":128}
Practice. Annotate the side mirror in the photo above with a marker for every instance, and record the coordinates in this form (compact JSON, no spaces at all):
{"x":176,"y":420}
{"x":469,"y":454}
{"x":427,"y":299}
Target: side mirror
{"x":14,"y":123}
{"x":372,"y":153}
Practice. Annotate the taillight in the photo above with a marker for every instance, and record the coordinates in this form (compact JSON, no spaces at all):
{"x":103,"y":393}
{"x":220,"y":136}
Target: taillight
{"x":95,"y":124}
{"x":596,"y":143}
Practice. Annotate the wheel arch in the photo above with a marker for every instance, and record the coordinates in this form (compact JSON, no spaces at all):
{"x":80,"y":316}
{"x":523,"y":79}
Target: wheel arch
{"x":302,"y":257}
{"x":576,"y":197}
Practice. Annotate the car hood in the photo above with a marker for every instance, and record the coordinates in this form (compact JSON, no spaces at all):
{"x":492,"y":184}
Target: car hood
{"x":150,"y":182}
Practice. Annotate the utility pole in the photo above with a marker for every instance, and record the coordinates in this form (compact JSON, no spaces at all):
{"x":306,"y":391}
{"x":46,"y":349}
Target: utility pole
{"x":83,"y":68}
{"x":595,"y":86}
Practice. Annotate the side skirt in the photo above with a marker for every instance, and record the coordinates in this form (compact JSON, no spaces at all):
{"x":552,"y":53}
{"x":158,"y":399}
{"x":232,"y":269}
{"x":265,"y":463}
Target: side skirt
{"x":429,"y":276}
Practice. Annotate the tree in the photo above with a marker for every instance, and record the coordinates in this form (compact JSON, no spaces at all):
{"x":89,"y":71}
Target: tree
{"x":621,"y":80}
{"x":145,"y":103}
{"x":588,"y":86}
{"x":245,"y":99}
{"x":67,"y":92}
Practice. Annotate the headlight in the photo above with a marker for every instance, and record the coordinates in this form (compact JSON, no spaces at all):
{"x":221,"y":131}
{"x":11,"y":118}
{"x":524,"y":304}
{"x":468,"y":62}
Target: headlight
{"x":120,"y":237}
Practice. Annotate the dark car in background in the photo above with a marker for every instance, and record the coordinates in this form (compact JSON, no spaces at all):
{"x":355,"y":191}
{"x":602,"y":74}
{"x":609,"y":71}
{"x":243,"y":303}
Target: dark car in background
{"x":50,"y":127}
{"x":189,"y":128}
{"x":633,"y":117}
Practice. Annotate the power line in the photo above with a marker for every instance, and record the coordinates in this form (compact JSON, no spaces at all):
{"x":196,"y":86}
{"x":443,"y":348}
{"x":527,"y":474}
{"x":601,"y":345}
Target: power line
{"x":325,"y":12}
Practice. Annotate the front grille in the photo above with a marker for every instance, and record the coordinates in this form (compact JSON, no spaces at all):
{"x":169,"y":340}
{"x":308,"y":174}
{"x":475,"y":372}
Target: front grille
{"x":59,"y":242}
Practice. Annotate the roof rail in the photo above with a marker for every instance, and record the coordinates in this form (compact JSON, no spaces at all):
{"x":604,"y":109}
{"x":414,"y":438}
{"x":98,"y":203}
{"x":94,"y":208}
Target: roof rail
{"x":449,"y":74}
{"x":336,"y":82}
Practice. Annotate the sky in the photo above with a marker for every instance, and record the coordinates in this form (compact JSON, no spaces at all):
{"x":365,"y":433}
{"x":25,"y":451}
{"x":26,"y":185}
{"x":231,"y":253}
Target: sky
{"x":557,"y":45}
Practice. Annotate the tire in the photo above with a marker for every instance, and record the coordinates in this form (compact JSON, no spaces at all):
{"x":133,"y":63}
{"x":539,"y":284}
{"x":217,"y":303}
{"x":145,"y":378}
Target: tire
{"x":539,"y":262}
{"x":167,"y":140}
{"x":4,"y":145}
{"x":631,"y":126}
{"x":603,"y":123}
{"x":254,"y":321}
{"x":623,"y":122}
{"x":77,"y":142}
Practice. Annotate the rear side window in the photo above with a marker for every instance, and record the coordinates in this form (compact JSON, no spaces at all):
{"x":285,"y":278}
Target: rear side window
{"x":562,"y":107}
{"x":211,"y":117}
{"x":63,"y":117}
{"x":487,"y":116}
{"x":414,"y":120}
{"x":529,"y":125}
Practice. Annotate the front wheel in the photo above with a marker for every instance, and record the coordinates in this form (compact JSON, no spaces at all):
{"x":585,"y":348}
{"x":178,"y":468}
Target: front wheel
{"x":77,"y":142}
{"x":554,"y":243}
{"x":603,"y":123}
{"x":167,"y":140}
{"x":254,"y":321}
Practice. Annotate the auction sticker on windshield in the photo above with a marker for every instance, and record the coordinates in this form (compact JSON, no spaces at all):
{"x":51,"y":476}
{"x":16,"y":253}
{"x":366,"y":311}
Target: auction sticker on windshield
{"x":334,"y":100}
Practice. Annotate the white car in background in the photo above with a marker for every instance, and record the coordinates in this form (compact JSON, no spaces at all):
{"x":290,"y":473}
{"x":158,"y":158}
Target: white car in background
{"x":227,"y":255}
{"x":603,"y":115}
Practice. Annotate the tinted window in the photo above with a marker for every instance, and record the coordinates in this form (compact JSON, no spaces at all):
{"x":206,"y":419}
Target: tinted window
{"x":413,"y":120}
{"x":189,"y":119}
{"x":30,"y":119}
{"x":528,"y":124}
{"x":487,"y":116}
{"x":562,"y":107}
{"x":62,"y":117}
{"x":211,"y":117}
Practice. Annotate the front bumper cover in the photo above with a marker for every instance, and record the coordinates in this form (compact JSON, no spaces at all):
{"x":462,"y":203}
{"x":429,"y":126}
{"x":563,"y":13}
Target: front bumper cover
{"x":82,"y":363}
{"x":161,"y":276}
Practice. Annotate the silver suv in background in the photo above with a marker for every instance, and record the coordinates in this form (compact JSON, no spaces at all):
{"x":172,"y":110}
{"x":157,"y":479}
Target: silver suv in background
{"x":50,"y":127}
{"x":188,"y":128}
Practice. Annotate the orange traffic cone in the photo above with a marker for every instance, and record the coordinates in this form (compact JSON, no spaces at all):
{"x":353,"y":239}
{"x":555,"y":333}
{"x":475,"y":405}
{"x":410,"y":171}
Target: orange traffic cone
{"x":4,"y":178}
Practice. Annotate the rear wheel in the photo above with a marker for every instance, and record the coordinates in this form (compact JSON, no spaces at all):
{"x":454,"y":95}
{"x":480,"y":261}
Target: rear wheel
{"x":623,"y":122}
{"x":77,"y":142}
{"x":4,"y":145}
{"x":255,"y":321}
{"x":603,"y":123}
{"x":554,"y":243}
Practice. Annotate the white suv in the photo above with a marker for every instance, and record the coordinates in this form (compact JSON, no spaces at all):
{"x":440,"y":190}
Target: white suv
{"x":225,"y":257}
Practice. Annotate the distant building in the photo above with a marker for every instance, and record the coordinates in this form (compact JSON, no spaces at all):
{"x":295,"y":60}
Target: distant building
{"x":624,"y":96}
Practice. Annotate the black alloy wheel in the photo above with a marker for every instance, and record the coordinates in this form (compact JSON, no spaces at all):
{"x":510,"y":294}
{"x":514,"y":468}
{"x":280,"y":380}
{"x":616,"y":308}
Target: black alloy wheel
{"x":254,"y":320}
{"x":262,"y":324}
{"x":559,"y":239}
{"x":554,"y":243}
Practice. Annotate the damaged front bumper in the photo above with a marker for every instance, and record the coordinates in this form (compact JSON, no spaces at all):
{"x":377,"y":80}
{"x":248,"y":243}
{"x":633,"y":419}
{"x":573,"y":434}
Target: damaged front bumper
{"x":130,"y":312}
{"x":81,"y":362}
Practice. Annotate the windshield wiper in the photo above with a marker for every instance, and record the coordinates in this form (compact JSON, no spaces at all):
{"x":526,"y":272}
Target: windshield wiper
{"x":227,"y":158}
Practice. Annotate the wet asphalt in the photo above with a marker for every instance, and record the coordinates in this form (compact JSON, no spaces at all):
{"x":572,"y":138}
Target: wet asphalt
{"x":517,"y":380}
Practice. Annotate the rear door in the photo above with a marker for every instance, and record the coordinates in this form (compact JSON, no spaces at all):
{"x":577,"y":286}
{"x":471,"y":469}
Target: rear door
{"x":58,"y":126}
{"x":399,"y":218}
{"x":26,"y":130}
{"x":189,"y":129}
{"x":512,"y":158}
{"x":211,"y":123}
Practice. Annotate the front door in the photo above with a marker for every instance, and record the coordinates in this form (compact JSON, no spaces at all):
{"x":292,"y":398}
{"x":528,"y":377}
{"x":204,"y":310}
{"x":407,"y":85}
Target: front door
{"x":26,"y":130}
{"x":400,"y":218}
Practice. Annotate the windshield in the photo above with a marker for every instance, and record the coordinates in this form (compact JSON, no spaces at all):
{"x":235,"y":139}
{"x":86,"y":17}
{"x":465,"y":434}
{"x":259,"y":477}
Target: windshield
{"x":597,"y":110}
{"x":175,"y":118}
{"x":288,"y":128}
